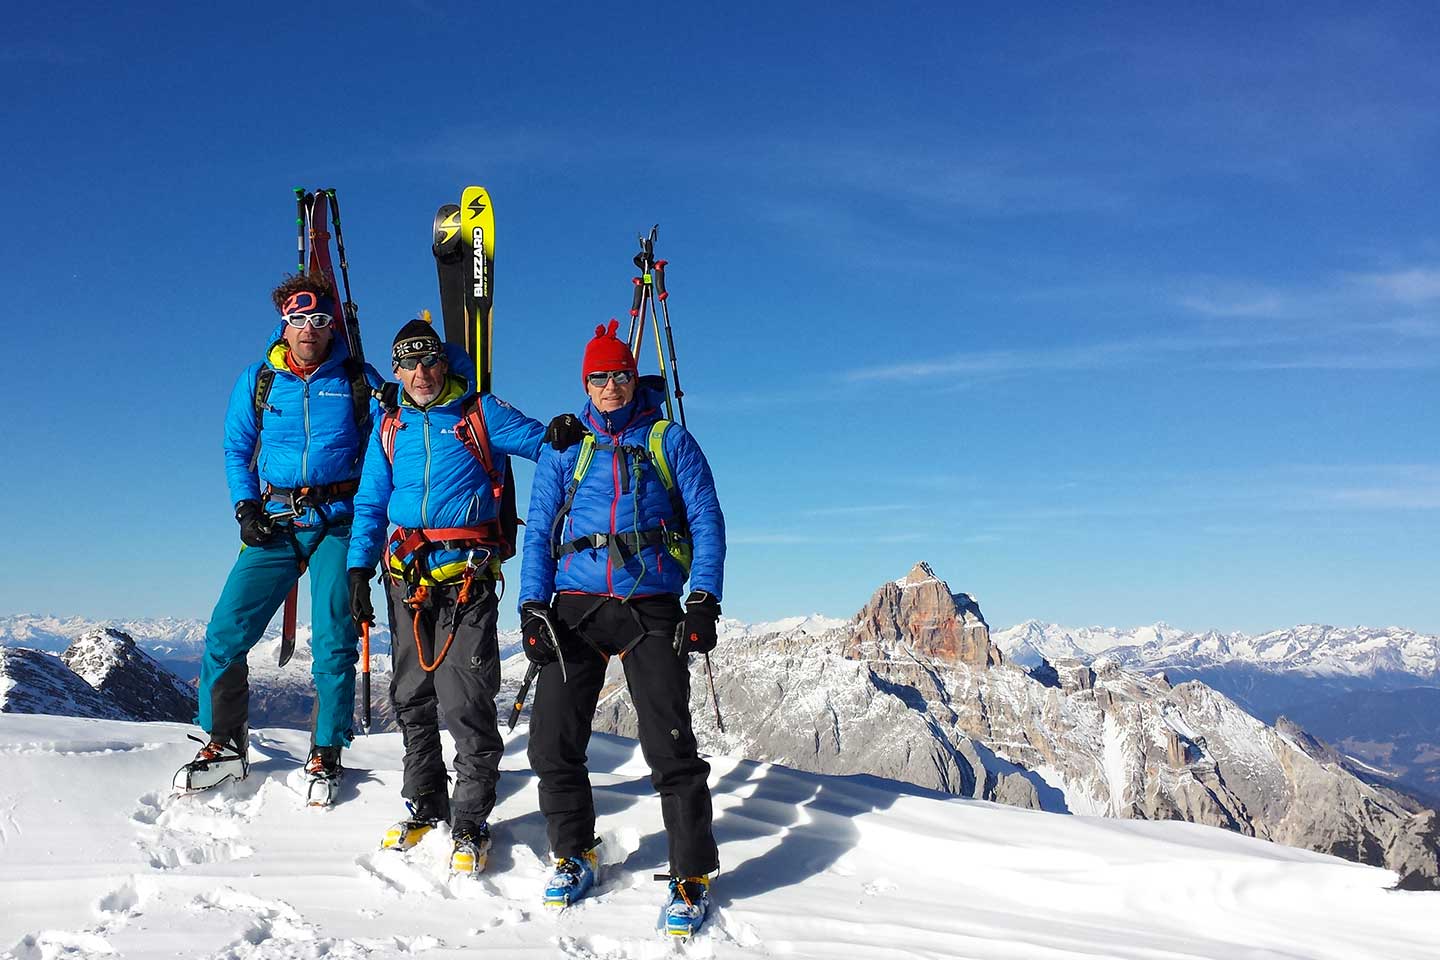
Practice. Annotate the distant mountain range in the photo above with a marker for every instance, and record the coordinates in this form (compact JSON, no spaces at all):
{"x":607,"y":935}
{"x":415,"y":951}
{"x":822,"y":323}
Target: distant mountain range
{"x":1373,"y":692}
{"x":1311,"y":649}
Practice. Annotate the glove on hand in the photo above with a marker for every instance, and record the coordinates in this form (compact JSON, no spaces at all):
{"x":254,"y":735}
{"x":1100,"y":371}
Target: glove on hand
{"x":255,"y":530}
{"x":565,"y":431}
{"x":535,"y":637}
{"x":697,"y":631}
{"x":361,"y":609}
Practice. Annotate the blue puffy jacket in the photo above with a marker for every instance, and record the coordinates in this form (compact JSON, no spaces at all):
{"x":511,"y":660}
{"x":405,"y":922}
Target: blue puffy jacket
{"x":622,"y":494}
{"x":307,"y":436}
{"x":435,"y":482}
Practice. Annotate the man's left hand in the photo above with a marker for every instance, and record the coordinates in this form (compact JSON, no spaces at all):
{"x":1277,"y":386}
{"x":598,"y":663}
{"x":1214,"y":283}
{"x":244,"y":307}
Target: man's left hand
{"x":565,"y":431}
{"x":697,"y":630}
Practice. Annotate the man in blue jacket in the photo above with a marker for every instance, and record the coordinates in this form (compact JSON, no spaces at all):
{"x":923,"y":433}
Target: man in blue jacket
{"x":435,"y":467}
{"x":615,"y":527}
{"x":294,"y":432}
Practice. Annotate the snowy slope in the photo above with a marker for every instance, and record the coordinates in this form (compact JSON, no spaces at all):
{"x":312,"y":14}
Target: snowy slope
{"x":106,"y":863}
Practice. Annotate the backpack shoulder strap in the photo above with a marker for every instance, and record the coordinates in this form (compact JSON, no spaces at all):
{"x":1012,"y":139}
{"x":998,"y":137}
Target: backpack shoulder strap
{"x":264,"y":380}
{"x":583,"y":460}
{"x":360,"y":394}
{"x":389,"y":426}
{"x":656,"y":443}
{"x":473,"y":433}
{"x":260,"y":399}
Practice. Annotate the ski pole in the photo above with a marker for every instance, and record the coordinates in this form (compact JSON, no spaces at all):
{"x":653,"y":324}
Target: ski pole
{"x":300,"y":228}
{"x":365,"y":675}
{"x":351,"y":311}
{"x":662,"y":296}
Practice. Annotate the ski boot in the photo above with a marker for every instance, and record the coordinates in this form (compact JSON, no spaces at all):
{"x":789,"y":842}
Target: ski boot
{"x":686,"y":905}
{"x":472,"y":848}
{"x":426,"y":810}
{"x":323,"y":773}
{"x":573,"y":878}
{"x":221,"y":759}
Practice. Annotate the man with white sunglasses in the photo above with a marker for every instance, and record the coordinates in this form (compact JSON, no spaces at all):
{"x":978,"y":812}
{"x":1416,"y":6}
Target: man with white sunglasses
{"x":295,"y":431}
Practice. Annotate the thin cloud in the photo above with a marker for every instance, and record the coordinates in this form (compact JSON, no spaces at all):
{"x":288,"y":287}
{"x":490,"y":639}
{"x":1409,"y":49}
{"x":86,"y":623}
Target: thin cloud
{"x":1416,"y":285}
{"x":858,"y":510}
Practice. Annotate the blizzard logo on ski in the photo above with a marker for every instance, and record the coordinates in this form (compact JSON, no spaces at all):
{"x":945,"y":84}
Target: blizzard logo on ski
{"x":451,"y":226}
{"x":477,"y":243}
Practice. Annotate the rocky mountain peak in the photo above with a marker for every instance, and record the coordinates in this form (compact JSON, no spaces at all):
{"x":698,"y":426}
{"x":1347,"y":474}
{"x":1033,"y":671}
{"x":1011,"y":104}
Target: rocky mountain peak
{"x":110,"y":662}
{"x":920,"y":614}
{"x":919,"y":573}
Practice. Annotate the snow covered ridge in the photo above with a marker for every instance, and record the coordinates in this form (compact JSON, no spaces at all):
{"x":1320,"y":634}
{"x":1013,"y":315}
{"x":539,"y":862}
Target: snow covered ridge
{"x":166,"y":638}
{"x":912,"y":689}
{"x":102,"y":674}
{"x":1314,"y":649}
{"x":827,"y":868}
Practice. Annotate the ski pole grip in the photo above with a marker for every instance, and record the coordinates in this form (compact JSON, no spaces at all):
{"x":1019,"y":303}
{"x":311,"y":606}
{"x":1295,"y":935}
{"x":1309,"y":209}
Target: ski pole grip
{"x":660,"y":279}
{"x":639,"y":293}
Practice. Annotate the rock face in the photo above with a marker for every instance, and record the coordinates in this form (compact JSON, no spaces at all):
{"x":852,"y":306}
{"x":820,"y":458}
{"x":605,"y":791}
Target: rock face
{"x":110,"y":662}
{"x":919,"y":613}
{"x":913,"y":691}
{"x":32,"y":681}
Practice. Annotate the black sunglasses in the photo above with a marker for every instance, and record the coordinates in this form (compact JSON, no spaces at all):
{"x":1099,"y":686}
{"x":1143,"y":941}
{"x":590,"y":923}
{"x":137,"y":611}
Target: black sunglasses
{"x":427,"y":360}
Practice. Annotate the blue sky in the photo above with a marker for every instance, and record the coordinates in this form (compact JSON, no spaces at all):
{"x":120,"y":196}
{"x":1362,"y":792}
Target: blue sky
{"x":1111,"y":315}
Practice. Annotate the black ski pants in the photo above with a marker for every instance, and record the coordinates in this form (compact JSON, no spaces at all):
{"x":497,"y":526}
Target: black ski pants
{"x":659,"y":683}
{"x":463,"y":687}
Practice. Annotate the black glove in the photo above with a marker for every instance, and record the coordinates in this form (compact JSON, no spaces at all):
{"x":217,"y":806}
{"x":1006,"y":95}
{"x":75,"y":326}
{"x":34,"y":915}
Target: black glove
{"x":361,"y":609}
{"x":565,"y":431}
{"x":388,"y":393}
{"x":255,"y":529}
{"x":535,"y":637}
{"x":697,"y":631}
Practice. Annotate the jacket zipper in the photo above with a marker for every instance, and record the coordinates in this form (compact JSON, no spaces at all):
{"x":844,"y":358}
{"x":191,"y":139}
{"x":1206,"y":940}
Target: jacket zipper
{"x":425,"y":498}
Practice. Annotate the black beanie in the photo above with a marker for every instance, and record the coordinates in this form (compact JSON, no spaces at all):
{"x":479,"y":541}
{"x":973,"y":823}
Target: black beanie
{"x":415,"y":338}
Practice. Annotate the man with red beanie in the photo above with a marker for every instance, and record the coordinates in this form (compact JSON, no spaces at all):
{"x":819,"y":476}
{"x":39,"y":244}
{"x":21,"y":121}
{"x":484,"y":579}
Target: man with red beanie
{"x":617,"y":524}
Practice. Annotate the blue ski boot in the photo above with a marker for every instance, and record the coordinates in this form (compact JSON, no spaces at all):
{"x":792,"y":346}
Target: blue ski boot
{"x":573,"y":878}
{"x":686,"y":905}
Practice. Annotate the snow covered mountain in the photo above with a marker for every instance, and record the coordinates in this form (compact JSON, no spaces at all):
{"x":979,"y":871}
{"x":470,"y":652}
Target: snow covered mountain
{"x":1373,"y":691}
{"x":110,"y":662}
{"x":102,"y":674}
{"x":1311,"y":649}
{"x":913,"y":689}
{"x":34,"y":681}
{"x":165,"y":638}
{"x":104,"y":862}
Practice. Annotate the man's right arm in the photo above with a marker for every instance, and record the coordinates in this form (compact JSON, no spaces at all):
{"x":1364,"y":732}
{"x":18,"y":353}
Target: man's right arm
{"x":547,"y":491}
{"x":241,"y":435}
{"x":372,"y":505}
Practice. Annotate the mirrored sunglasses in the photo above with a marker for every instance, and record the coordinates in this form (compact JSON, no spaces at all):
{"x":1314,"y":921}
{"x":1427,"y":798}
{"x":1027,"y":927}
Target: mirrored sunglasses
{"x":317,"y":320}
{"x":598,"y":378}
{"x":427,"y":360}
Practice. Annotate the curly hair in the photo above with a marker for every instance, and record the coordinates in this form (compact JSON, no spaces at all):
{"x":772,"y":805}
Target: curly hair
{"x":294,"y":283}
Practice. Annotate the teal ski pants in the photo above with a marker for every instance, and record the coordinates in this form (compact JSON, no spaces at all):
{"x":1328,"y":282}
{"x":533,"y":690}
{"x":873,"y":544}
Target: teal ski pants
{"x":255,"y":589}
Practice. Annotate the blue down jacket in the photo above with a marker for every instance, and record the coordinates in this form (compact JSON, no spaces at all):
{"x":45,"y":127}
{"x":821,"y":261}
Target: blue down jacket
{"x":307,"y":437}
{"x":622,"y":493}
{"x":435,"y":481}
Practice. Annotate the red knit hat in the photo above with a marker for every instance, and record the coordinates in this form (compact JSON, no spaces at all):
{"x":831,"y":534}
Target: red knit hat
{"x":607,"y":352}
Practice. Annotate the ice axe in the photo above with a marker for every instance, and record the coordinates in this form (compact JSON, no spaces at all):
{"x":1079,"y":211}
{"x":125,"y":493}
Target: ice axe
{"x":534,"y":669}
